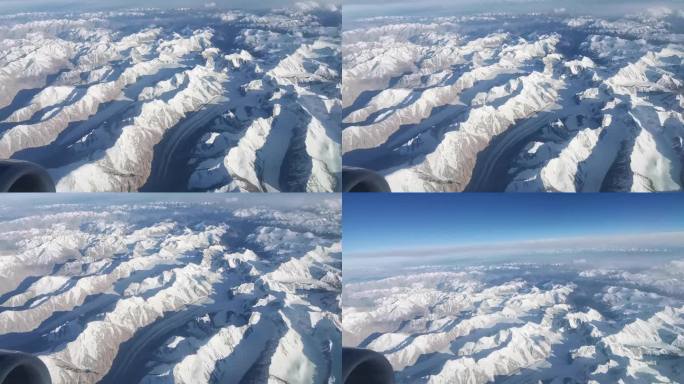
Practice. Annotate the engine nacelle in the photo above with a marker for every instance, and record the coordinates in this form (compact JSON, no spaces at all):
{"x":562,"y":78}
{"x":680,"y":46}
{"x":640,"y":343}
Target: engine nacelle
{"x":362,"y":180}
{"x":22,"y":368}
{"x":363,"y":366}
{"x":24,"y":176}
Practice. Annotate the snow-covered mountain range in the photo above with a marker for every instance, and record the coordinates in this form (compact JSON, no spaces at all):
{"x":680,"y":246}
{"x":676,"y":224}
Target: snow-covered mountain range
{"x":175,"y":100}
{"x":565,"y":322}
{"x":502,"y":102}
{"x":174,"y":289}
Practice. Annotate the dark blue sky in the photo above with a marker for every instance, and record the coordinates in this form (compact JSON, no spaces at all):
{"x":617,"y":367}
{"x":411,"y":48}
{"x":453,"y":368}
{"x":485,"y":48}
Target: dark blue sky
{"x":377,"y":222}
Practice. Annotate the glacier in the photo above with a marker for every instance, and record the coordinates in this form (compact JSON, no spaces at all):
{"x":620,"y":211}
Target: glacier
{"x":542,"y":102}
{"x":173,"y":100}
{"x":173,"y":288}
{"x":586,"y":317}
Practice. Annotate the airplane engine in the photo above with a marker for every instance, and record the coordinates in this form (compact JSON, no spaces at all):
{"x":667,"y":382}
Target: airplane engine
{"x":363,"y":366}
{"x":22,"y":368}
{"x":24,"y":176}
{"x":362,"y":180}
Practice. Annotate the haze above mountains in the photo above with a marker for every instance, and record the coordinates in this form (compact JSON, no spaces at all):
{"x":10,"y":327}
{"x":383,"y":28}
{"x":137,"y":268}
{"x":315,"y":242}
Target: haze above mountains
{"x":15,"y":6}
{"x":357,"y":10}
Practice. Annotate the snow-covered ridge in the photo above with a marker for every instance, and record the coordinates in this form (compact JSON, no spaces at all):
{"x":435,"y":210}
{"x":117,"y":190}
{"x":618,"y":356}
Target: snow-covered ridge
{"x":184,"y":291}
{"x":175,"y":100}
{"x":522,"y":323}
{"x":516,"y":103}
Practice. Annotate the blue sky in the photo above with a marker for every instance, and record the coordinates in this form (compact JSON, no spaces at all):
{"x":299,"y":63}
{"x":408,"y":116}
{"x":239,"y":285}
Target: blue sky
{"x":375,"y":223}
